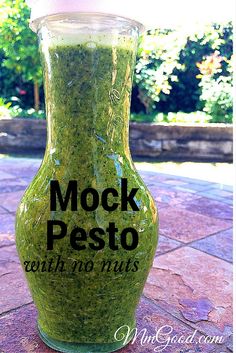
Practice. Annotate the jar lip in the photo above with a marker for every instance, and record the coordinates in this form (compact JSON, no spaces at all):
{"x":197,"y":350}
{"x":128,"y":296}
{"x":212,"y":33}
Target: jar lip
{"x":127,"y":9}
{"x":36,"y":24}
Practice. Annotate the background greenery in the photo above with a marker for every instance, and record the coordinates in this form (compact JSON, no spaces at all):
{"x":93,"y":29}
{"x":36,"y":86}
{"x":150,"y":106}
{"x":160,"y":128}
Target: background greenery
{"x":179,"y":77}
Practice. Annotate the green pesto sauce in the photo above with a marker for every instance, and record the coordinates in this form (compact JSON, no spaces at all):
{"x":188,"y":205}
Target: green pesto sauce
{"x":88,"y":102}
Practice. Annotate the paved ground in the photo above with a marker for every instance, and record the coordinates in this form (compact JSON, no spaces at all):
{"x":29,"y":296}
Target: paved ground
{"x":189,"y":286}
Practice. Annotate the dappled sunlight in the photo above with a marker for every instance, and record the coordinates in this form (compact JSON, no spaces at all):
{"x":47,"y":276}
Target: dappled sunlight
{"x":222,"y":173}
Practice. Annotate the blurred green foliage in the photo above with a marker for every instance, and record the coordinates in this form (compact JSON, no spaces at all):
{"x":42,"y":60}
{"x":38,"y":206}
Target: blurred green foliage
{"x":20,"y":60}
{"x":18,"y":42}
{"x":30,"y":113}
{"x":4,"y":109}
{"x":197,"y":117}
{"x":173,"y":73}
{"x":217,"y":87}
{"x":8,"y":110}
{"x":158,"y":59}
{"x":168,"y":76}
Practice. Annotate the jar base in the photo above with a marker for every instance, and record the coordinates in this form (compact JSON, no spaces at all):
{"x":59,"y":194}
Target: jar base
{"x":70,"y":347}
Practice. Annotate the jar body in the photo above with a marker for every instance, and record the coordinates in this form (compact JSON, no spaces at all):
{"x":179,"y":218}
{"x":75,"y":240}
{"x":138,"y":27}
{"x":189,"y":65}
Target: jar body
{"x":88,"y":79}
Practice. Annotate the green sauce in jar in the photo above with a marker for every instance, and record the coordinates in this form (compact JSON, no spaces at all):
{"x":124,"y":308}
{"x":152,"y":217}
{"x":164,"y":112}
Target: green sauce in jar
{"x":88,"y":87}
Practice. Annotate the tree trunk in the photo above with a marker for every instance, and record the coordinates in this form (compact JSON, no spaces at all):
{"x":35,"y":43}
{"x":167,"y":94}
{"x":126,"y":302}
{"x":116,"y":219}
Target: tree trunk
{"x":36,"y":96}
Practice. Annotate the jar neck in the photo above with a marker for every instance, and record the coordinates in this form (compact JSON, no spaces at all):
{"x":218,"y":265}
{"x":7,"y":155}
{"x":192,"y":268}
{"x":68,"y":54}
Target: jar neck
{"x":88,"y":83}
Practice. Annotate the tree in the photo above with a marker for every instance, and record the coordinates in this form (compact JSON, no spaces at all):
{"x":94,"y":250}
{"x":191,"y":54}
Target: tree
{"x":167,"y":73}
{"x":158,"y":57}
{"x":19,"y":44}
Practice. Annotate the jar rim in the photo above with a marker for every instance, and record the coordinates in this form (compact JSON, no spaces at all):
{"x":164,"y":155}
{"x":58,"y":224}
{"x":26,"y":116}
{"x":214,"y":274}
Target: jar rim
{"x":129,"y":10}
{"x":89,"y":18}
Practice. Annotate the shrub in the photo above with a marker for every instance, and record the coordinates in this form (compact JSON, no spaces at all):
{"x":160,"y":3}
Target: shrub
{"x":218,"y":99}
{"x":19,"y":46}
{"x":180,"y":117}
{"x":4,"y":109}
{"x":8,"y":110}
{"x":158,"y":57}
{"x":167,"y":75}
{"x":31,"y":113}
{"x":217,"y":89}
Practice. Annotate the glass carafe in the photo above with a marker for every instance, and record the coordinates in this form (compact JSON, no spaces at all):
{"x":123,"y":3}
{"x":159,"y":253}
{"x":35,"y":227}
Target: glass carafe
{"x":87,"y":285}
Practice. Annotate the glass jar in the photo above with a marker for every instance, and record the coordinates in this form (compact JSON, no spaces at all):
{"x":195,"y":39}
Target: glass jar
{"x":86,"y":228}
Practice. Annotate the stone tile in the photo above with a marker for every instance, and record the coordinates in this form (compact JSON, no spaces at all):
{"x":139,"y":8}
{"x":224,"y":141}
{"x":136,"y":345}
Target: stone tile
{"x":19,"y":167}
{"x":228,"y":201}
{"x":5,"y":175}
{"x":195,"y":287}
{"x":7,"y":163}
{"x":7,"y":239}
{"x":36,"y":162}
{"x":170,"y":196}
{"x":27,"y":179}
{"x":13,"y":184}
{"x":209,"y":207}
{"x":196,"y":310}
{"x":7,"y":223}
{"x":187,"y":226}
{"x":199,"y":181}
{"x":166,"y":244}
{"x":175,"y":182}
{"x":24,"y":172}
{"x":219,"y":192}
{"x":214,"y":196}
{"x":193,"y":181}
{"x":19,"y":333}
{"x":2,"y":210}
{"x":153,"y":318}
{"x":222,"y":187}
{"x":9,"y":254}
{"x":198,"y":187}
{"x":7,"y":229}
{"x":13,"y":287}
{"x":220,"y":245}
{"x":185,"y":189}
{"x":161,"y":205}
{"x":229,"y":343}
{"x":165,"y":181}
{"x":11,"y":200}
{"x":152,"y":177}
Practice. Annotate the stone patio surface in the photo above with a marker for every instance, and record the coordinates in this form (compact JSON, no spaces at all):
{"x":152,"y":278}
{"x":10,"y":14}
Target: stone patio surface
{"x":190,"y":284}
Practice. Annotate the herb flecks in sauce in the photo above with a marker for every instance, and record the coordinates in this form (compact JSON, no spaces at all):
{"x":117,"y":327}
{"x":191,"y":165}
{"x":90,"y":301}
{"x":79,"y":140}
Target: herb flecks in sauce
{"x":88,"y":100}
